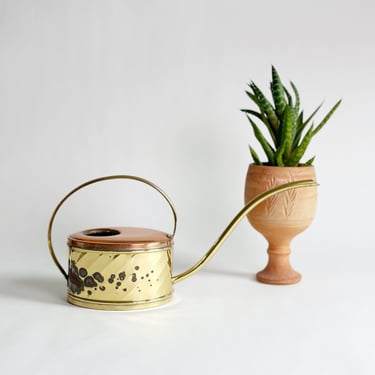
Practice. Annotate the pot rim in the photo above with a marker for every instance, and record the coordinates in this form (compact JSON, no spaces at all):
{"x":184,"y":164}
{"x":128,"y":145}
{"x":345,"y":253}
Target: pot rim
{"x":280,"y":167}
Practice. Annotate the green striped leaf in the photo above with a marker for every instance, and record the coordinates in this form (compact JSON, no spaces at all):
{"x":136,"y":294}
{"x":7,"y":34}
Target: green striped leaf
{"x":269,"y":151}
{"x":252,"y":97}
{"x":261,"y":117}
{"x":301,"y":149}
{"x":286,"y":138}
{"x":255,"y":156}
{"x":279,"y":156}
{"x":299,"y":126}
{"x":296,"y":94}
{"x":265,"y":106}
{"x":312,"y":115}
{"x":254,"y":113}
{"x":278,"y":92}
{"x":324,"y":121}
{"x":310,"y":161}
{"x":290,"y":99}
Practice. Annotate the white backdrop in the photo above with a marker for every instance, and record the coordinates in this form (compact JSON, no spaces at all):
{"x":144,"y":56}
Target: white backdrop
{"x":155,"y":88}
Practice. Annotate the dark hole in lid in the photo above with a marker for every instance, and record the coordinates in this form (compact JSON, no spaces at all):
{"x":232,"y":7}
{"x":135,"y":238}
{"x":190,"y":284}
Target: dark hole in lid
{"x":102,"y":232}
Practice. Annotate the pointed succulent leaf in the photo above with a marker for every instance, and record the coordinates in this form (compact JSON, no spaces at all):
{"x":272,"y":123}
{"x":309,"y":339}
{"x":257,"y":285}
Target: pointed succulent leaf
{"x":297,"y":100}
{"x":328,"y":116}
{"x":303,"y":125}
{"x":269,"y":151}
{"x":265,"y":121}
{"x":279,"y":156}
{"x":290,"y":99}
{"x":301,"y":149}
{"x":299,"y":126}
{"x":252,"y":97}
{"x":278,"y":92}
{"x":255,"y":156}
{"x":254,"y":113}
{"x":286,"y":128}
{"x":312,"y":115}
{"x":310,"y":161}
{"x":265,"y":106}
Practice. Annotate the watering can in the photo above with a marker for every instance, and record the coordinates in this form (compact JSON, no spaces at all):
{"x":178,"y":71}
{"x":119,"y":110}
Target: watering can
{"x":128,"y":268}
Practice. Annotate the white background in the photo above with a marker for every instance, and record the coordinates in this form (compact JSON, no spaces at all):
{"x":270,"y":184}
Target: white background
{"x":155,"y":88}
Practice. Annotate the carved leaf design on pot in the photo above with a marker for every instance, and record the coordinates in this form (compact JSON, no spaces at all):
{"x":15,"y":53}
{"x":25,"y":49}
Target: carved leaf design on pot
{"x":271,"y":202}
{"x":290,"y":199}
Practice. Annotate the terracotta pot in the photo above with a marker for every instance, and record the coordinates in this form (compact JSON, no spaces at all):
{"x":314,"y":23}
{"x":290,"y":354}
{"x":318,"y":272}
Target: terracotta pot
{"x":280,"y":218}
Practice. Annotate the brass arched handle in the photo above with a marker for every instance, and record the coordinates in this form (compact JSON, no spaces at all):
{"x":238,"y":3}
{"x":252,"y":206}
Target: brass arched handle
{"x":94,"y":181}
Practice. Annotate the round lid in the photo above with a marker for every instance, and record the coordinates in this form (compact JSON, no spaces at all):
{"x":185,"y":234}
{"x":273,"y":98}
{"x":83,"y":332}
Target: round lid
{"x":120,"y":238}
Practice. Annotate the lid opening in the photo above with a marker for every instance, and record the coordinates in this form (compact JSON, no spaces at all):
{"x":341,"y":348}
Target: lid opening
{"x":102,"y":232}
{"x":120,"y":239}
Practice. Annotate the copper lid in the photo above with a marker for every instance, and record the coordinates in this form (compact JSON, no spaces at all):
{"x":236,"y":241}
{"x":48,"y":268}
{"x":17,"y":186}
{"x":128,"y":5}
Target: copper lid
{"x":120,"y":238}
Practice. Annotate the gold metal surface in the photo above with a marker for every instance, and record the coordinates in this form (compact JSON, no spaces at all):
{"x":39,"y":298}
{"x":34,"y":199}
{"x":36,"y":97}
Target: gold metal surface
{"x":96,"y":180}
{"x":112,"y":280}
{"x":228,"y":230}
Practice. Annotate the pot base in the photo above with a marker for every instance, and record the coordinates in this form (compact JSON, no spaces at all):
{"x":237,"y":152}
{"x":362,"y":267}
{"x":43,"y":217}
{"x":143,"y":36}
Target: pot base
{"x":278,"y":277}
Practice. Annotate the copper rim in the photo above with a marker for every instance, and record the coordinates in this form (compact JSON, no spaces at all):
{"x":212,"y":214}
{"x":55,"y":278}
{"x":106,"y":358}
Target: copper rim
{"x":120,"y":238}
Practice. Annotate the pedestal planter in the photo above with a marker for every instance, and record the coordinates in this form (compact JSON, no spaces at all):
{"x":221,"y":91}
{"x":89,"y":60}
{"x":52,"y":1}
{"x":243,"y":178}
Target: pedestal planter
{"x":280,"y":218}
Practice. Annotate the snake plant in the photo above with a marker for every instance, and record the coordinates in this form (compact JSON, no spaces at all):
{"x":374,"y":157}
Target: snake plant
{"x":289,"y":132}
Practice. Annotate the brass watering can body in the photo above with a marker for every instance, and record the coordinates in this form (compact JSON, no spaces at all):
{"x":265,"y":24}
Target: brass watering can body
{"x":127,"y":268}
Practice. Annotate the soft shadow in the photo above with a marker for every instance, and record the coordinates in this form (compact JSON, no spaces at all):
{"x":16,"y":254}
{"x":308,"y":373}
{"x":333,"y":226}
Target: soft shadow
{"x":242,"y":275}
{"x":181,"y":266}
{"x":38,"y":289}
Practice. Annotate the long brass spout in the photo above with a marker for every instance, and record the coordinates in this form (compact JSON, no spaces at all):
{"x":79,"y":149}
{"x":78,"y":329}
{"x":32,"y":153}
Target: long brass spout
{"x":228,"y":230}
